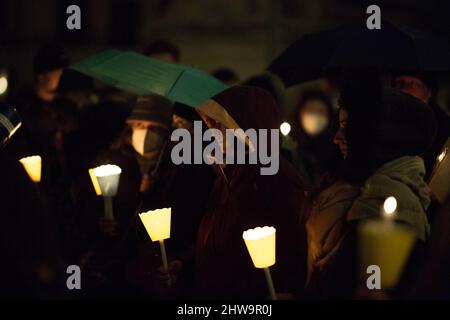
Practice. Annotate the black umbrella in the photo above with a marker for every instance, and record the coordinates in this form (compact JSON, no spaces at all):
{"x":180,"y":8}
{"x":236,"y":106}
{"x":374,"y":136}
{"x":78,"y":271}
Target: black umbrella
{"x":306,"y":58}
{"x":390,"y":48}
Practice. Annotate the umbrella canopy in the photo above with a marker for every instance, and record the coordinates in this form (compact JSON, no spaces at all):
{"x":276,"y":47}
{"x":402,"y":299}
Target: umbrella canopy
{"x":392,"y":48}
{"x":306,"y":58}
{"x":389,"y":48}
{"x":141,"y":75}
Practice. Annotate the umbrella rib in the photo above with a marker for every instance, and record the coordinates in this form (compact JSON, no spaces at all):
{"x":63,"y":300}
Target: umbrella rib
{"x":175,"y":82}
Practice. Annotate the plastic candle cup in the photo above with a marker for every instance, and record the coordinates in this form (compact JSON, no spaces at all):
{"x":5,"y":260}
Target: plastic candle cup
{"x":157,"y":224}
{"x":385,"y":244}
{"x":108,"y":177}
{"x":261,"y":243}
{"x":33,"y":167}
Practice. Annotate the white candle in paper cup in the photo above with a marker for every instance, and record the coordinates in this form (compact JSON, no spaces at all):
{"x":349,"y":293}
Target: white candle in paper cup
{"x":33,"y":167}
{"x":108,"y":177}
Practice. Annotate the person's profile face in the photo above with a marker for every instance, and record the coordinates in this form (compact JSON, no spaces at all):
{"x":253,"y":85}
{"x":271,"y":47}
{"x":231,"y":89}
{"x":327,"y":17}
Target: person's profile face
{"x":339,"y":138}
{"x":48,"y":83}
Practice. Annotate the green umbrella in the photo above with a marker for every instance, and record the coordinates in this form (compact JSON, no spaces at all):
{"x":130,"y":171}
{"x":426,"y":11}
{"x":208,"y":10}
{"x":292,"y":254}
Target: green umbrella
{"x":141,"y":75}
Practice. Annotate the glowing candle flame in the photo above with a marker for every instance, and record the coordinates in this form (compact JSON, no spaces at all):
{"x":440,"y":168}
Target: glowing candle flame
{"x":442,"y":155}
{"x":390,"y":206}
{"x":285,"y":128}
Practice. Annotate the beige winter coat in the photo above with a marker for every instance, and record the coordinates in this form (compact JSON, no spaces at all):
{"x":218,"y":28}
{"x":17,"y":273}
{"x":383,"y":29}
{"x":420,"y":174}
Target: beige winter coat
{"x":342,"y":204}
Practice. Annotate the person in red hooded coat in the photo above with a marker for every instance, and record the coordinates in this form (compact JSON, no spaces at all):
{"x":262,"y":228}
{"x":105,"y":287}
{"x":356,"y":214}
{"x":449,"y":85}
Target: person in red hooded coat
{"x":241,"y":199}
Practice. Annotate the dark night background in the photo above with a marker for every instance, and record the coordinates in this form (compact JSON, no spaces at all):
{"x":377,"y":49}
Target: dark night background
{"x":244,"y":35}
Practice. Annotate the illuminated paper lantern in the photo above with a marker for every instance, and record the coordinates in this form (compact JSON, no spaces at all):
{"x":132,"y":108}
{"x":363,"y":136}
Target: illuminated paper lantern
{"x":385,"y":244}
{"x":157,"y":223}
{"x":260,"y":243}
{"x":33,"y":166}
{"x":95,"y":182}
{"x":108,"y":177}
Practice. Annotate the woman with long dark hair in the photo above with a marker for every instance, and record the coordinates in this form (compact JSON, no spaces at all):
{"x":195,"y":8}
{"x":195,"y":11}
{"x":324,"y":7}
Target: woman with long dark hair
{"x":381,"y":135}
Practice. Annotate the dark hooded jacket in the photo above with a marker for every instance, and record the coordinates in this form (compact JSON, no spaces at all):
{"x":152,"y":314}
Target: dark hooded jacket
{"x":241,"y":199}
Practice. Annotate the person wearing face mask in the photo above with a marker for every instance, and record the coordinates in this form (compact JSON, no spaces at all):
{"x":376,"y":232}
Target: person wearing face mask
{"x":313,"y":131}
{"x":150,"y":123}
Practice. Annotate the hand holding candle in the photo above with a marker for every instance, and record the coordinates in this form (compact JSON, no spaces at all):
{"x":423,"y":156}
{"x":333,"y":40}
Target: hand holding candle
{"x":157,"y":224}
{"x":260,"y":243}
{"x":33,"y":166}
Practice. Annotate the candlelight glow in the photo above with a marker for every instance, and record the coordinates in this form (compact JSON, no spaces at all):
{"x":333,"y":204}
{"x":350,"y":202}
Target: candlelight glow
{"x":260,"y":243}
{"x":157,"y":223}
{"x":285,"y":128}
{"x":108,"y":177}
{"x":3,"y":84}
{"x":442,"y":155}
{"x":390,"y":205}
{"x":385,"y":246}
{"x":107,"y":170}
{"x":33,"y":167}
{"x":94,"y":180}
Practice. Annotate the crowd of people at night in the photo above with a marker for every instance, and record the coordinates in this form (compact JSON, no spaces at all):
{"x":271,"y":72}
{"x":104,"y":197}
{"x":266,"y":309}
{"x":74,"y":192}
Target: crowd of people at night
{"x":358,"y":138}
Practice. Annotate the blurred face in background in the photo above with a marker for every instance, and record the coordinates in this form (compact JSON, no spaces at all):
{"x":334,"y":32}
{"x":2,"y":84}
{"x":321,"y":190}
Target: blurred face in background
{"x":164,"y":56}
{"x":339,"y":138}
{"x":413,"y":86}
{"x":180,"y":122}
{"x":46,"y":84}
{"x":313,"y":117}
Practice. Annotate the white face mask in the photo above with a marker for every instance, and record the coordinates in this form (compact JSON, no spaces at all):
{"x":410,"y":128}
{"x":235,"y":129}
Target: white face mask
{"x":145,"y":141}
{"x":313,"y":123}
